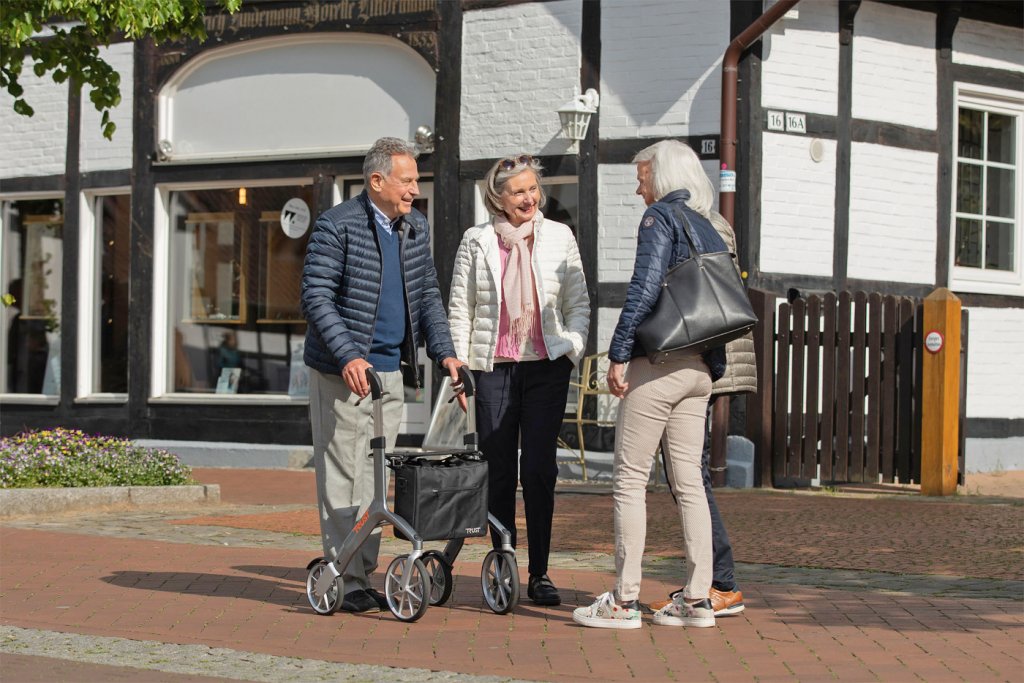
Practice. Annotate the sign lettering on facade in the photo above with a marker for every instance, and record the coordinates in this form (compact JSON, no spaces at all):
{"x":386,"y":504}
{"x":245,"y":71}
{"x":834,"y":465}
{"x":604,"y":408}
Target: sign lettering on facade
{"x":776,"y":120}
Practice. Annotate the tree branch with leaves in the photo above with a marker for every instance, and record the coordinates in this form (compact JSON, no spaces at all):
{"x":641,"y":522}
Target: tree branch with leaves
{"x":63,"y":37}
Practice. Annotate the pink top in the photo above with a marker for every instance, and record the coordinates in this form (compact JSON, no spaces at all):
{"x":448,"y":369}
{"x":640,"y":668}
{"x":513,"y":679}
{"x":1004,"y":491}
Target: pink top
{"x":507,"y":348}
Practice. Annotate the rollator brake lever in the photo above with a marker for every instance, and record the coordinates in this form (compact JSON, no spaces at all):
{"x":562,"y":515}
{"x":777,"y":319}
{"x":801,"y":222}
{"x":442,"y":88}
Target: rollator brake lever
{"x":382,"y":395}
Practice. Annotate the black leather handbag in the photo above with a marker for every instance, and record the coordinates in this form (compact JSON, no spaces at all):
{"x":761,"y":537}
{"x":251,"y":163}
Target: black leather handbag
{"x":442,"y":499}
{"x":702,"y":305}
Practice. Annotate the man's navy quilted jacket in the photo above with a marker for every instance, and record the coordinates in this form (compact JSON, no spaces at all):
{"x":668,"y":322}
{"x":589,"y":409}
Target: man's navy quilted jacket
{"x":341,"y":280}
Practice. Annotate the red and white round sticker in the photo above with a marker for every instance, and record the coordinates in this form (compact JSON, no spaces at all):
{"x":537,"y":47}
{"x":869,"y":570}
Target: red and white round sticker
{"x":933,"y":341}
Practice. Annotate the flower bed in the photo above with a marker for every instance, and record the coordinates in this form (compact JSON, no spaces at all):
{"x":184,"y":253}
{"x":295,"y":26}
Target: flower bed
{"x":70,"y":458}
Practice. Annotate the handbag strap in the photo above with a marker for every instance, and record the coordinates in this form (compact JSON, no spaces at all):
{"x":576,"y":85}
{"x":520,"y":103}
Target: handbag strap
{"x":688,"y":231}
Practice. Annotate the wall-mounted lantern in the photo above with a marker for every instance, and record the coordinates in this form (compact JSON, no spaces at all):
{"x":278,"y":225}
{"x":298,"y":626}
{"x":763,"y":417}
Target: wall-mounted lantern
{"x":575,"y":114}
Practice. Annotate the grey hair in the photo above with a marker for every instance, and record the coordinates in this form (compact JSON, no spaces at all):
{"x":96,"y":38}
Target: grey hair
{"x":378,"y":159}
{"x":674,"y":166}
{"x":497,"y":178}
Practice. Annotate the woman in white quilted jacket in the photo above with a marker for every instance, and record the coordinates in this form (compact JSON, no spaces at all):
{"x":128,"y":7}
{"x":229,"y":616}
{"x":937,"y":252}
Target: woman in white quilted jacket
{"x":520,"y":314}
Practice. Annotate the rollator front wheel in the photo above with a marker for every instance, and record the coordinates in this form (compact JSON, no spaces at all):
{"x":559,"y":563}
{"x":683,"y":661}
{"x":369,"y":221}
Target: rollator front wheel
{"x":329,"y":603}
{"x":499,"y":578}
{"x":439,"y":572}
{"x":407,"y":588}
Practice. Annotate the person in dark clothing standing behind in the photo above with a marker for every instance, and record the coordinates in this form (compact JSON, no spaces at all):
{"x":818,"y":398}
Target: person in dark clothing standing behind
{"x":369,"y":294}
{"x":740,"y":377}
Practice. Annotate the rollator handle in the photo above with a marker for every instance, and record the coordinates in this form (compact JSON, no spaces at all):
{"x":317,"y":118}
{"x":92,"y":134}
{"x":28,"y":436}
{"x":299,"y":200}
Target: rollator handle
{"x":466,"y":377}
{"x":376,"y":388}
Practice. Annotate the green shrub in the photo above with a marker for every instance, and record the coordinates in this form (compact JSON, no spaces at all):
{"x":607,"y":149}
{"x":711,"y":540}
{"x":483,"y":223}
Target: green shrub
{"x":67,"y":457}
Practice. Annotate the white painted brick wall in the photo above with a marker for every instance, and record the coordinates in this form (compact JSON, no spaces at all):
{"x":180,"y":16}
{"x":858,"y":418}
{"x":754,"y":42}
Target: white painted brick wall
{"x":981,"y":44}
{"x":617,"y":219}
{"x":661,"y":67}
{"x":800,"y":71}
{"x":797,"y":206}
{"x":892,"y":213}
{"x":894,"y":77}
{"x":34,"y":146}
{"x":607,"y":318}
{"x":99,"y":153}
{"x":994,"y":366}
{"x":520,"y":64}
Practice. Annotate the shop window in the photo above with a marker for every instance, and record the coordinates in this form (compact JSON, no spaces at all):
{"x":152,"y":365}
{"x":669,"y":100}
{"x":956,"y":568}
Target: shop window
{"x":33,"y":260}
{"x":987,"y":191}
{"x":563,"y":201}
{"x":236,"y":268}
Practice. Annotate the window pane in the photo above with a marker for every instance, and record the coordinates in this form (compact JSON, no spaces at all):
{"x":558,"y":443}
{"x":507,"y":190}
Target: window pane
{"x":999,"y":246}
{"x":562,"y":204}
{"x":1000,"y":193}
{"x":34,"y":236}
{"x":968,"y":242}
{"x":235,"y":285}
{"x":968,"y":188}
{"x":970,"y":133}
{"x":114,"y":217}
{"x":1001,"y":136}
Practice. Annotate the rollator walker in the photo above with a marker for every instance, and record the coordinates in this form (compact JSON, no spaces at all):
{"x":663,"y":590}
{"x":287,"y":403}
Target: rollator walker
{"x":421,"y":578}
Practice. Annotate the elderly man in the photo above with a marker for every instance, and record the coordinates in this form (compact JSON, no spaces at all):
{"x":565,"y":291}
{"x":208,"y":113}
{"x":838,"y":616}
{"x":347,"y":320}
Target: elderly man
{"x":369,"y":294}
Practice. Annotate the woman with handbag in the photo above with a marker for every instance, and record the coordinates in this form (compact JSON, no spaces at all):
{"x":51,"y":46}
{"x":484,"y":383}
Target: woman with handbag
{"x":663,"y":401}
{"x":519,"y":315}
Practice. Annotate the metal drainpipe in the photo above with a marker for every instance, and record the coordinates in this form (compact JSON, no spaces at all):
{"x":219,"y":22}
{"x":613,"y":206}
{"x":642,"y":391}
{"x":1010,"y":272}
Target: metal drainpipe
{"x":727,"y":200}
{"x":730,"y":75}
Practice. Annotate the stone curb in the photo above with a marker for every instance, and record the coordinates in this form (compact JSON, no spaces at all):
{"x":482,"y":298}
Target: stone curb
{"x":18,"y":502}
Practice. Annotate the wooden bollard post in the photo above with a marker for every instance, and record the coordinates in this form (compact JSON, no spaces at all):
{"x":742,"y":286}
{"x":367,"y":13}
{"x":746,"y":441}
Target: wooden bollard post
{"x":940,"y":394}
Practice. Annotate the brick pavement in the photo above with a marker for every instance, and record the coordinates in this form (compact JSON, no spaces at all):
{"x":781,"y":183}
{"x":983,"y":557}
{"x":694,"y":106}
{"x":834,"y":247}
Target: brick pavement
{"x":148,"y":584}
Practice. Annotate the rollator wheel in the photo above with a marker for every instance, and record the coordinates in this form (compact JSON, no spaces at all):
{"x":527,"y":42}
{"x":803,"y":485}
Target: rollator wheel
{"x":440,"y":575}
{"x":329,"y":603}
{"x":499,"y":577}
{"x":408,"y":603}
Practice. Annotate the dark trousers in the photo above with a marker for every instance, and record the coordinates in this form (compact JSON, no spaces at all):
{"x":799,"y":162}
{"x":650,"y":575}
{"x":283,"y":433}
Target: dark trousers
{"x":723,"y":578}
{"x":523,"y":404}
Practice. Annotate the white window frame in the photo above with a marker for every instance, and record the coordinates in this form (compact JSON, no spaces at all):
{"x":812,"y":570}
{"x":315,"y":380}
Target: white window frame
{"x":89,"y":272}
{"x":37,"y":399}
{"x":160,"y":343}
{"x":979,"y":280}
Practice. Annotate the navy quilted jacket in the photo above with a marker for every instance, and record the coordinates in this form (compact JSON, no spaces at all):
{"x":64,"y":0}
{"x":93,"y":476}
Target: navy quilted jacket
{"x":661,"y":244}
{"x":341,"y":280}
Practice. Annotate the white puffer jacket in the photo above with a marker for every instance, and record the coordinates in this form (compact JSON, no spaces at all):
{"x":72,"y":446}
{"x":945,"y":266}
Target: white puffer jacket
{"x":475,"y":301}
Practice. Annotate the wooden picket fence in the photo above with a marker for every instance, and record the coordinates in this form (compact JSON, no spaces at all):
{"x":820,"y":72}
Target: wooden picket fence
{"x":839,"y":393}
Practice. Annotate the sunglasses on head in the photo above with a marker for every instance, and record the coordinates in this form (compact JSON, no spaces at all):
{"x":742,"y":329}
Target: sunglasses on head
{"x":511,"y":162}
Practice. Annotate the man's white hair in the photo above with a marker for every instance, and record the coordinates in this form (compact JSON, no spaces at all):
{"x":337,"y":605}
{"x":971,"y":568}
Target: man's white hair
{"x":674,"y":166}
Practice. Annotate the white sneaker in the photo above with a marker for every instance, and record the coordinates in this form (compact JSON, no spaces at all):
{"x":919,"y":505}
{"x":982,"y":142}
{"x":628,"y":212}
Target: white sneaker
{"x":604,"y":613}
{"x":681,"y":613}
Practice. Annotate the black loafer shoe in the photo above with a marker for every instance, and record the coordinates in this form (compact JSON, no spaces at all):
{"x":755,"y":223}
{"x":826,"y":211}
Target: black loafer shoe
{"x":359,"y":601}
{"x":379,"y":598}
{"x":543,"y":592}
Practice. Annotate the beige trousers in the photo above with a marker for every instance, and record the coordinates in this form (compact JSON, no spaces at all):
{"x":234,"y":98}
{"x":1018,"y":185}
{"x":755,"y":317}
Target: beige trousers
{"x":668,"y":399}
{"x":344,"y":474}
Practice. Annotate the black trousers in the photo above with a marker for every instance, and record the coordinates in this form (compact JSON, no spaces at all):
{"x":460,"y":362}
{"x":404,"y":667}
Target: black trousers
{"x":522,"y":404}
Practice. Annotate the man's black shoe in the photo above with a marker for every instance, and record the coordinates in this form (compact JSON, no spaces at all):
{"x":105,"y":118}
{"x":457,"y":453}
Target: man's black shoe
{"x":359,"y":601}
{"x":379,"y":598}
{"x":543,"y":592}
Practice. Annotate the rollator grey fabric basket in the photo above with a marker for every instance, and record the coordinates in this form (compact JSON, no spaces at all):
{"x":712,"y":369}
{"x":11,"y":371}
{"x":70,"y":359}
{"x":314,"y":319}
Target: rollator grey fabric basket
{"x":442,"y":499}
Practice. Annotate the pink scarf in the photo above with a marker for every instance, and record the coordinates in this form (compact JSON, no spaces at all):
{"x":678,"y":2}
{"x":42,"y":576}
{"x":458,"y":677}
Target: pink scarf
{"x":517,"y":284}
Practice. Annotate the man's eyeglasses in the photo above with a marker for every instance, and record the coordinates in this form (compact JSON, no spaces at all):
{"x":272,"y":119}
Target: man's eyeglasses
{"x":511,"y":162}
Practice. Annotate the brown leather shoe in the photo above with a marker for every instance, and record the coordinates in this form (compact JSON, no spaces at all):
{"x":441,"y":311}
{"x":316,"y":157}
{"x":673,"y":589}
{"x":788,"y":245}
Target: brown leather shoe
{"x":725,"y":603}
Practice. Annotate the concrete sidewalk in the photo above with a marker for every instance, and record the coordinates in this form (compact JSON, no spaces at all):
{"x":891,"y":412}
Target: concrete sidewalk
{"x":859,"y":588}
